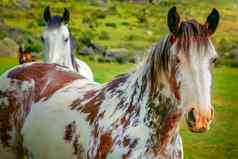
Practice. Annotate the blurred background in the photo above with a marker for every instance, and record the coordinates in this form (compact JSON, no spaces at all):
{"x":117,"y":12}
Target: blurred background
{"x":112,"y":36}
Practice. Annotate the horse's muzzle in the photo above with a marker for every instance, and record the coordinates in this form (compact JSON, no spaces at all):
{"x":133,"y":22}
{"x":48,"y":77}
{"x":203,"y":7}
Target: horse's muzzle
{"x":198,"y":122}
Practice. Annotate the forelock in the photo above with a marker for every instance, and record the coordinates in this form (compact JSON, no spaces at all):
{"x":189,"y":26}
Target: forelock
{"x":192,"y":34}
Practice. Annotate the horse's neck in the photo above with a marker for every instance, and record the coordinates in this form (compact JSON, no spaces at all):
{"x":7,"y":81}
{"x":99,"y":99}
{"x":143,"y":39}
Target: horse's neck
{"x":159,"y":113}
{"x":67,"y":61}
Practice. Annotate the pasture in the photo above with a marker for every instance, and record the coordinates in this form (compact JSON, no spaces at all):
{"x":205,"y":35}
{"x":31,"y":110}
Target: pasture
{"x":220,"y":141}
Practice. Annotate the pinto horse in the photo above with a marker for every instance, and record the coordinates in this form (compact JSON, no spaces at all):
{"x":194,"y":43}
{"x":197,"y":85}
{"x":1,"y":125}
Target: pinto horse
{"x":58,"y":45}
{"x":49,"y":112}
{"x":24,"y":56}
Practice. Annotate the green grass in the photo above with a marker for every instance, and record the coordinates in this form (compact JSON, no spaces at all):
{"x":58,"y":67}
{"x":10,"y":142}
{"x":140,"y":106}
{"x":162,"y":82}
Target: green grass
{"x":6,"y":63}
{"x":221,"y":141}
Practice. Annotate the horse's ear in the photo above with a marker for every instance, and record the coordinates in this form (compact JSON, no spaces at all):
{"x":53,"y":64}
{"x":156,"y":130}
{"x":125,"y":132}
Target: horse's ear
{"x":66,"y":15}
{"x":173,"y":20}
{"x":213,"y":20}
{"x":47,"y":15}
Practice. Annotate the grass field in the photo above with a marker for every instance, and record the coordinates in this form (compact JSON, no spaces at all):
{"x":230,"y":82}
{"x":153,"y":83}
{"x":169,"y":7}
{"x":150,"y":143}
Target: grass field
{"x":221,"y":141}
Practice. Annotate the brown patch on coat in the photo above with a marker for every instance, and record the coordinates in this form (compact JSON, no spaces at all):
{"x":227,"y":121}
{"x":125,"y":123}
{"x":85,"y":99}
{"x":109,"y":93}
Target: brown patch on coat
{"x":47,"y":78}
{"x":174,"y":86}
{"x":105,"y":146}
{"x":78,"y":148}
{"x":70,"y":131}
{"x":167,"y":130}
{"x":117,"y":81}
{"x":131,"y":144}
{"x":126,"y":141}
{"x":91,"y":107}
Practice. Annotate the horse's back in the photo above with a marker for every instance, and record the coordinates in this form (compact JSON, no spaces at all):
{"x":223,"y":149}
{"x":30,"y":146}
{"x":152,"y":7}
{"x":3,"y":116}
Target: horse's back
{"x":21,"y":88}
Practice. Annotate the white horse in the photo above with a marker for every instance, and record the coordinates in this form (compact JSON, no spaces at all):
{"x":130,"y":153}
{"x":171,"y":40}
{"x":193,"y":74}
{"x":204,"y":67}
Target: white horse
{"x":58,"y":47}
{"x":49,"y":112}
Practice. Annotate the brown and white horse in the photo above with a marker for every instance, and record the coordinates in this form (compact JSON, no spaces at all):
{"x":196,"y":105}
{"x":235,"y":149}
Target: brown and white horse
{"x":25,"y":56}
{"x":48,"y":112}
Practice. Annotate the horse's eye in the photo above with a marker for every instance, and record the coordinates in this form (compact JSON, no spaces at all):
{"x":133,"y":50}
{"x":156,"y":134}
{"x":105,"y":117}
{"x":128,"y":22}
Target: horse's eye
{"x":66,"y":40}
{"x":42,"y":39}
{"x":213,"y":60}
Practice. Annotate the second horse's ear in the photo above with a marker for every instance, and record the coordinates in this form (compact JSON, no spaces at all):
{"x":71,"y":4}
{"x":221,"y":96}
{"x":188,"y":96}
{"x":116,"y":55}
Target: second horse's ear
{"x":66,"y":15}
{"x":173,"y":20}
{"x":47,"y":15}
{"x":212,"y":21}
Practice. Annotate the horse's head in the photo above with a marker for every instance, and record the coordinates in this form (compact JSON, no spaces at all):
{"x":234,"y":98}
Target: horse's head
{"x":25,"y":56}
{"x":56,"y":36}
{"x":193,"y":56}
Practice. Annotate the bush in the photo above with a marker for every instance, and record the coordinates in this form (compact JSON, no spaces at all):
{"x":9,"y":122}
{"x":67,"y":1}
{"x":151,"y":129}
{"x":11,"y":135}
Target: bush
{"x":87,"y":38}
{"x":33,"y":44}
{"x":7,"y":3}
{"x":99,"y":14}
{"x":228,"y":62}
{"x":90,"y":20}
{"x":226,"y":45}
{"x":112,"y":10}
{"x":110,"y":24}
{"x":141,"y":15}
{"x":8,"y":47}
{"x":40,"y":22}
{"x":125,"y":23}
{"x":104,"y":36}
{"x":32,"y":24}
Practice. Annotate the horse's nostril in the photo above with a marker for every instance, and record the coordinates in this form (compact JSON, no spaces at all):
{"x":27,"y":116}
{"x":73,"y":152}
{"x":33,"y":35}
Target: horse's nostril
{"x":191,"y":116}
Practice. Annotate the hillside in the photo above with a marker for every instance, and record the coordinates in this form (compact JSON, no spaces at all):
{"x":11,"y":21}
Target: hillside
{"x":115,"y":25}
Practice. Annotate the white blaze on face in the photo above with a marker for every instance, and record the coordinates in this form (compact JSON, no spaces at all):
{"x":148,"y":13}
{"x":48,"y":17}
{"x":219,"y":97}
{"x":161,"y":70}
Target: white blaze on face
{"x":196,"y":78}
{"x":57,"y":45}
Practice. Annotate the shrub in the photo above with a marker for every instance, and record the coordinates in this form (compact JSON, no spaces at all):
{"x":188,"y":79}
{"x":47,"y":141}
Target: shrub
{"x":104,"y":36}
{"x":226,"y":45}
{"x":99,"y":14}
{"x":228,"y":62}
{"x":90,"y":20}
{"x":33,"y":44}
{"x":141,"y":15}
{"x":110,"y":24}
{"x":87,"y":38}
{"x":8,"y":47}
{"x":125,"y":23}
